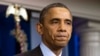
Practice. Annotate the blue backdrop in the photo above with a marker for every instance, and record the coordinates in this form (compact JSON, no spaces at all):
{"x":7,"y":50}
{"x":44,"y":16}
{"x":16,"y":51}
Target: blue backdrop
{"x":73,"y":47}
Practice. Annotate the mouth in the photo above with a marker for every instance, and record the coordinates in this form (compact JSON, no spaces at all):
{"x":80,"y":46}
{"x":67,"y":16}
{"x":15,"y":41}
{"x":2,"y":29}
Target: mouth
{"x":61,"y":37}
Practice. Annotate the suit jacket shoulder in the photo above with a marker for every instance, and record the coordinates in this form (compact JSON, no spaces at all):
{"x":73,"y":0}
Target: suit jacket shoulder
{"x":35,"y":52}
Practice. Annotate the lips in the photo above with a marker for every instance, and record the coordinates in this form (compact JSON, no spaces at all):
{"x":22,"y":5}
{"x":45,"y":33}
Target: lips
{"x":61,"y":37}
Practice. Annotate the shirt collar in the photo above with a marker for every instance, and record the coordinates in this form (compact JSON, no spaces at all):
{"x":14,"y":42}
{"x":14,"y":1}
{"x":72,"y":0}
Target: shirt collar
{"x":46,"y":51}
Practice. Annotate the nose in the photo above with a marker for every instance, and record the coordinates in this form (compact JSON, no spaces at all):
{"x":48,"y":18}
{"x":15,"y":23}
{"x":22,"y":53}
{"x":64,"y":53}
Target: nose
{"x":62,"y":27}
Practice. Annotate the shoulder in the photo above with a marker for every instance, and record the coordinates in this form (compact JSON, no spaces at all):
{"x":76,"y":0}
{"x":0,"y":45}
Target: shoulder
{"x":34,"y":52}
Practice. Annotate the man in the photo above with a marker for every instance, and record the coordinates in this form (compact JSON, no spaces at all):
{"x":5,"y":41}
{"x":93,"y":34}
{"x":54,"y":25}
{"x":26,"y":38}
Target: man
{"x":55,"y":28}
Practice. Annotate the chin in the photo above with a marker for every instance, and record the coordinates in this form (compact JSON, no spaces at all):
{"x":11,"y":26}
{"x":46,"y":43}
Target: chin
{"x":61,"y":45}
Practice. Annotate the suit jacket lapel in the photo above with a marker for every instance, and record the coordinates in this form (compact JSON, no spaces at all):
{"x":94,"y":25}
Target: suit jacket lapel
{"x":37,"y":51}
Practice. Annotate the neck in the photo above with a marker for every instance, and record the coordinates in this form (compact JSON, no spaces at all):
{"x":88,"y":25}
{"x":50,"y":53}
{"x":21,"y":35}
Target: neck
{"x":56,"y":50}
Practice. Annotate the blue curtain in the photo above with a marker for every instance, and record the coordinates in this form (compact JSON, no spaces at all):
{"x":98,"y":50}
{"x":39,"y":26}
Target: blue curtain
{"x":74,"y":46}
{"x":8,"y":44}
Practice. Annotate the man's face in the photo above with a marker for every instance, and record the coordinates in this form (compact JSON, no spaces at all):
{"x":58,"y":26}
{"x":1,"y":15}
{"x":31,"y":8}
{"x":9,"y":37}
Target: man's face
{"x":57,"y":27}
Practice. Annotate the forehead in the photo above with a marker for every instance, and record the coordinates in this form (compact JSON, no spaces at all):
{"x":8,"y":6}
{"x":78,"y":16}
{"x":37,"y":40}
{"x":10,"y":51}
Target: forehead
{"x":58,"y":12}
{"x":58,"y":8}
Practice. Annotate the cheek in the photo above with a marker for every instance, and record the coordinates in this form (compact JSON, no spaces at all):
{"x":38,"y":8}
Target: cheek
{"x":69,"y":32}
{"x":49,"y":31}
{"x":69,"y":29}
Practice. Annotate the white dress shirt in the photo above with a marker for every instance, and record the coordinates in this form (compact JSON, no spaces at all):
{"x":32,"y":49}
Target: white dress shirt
{"x":46,"y":51}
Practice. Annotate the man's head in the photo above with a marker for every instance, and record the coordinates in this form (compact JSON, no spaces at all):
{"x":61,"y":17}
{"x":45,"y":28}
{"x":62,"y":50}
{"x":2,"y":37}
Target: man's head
{"x":55,"y":25}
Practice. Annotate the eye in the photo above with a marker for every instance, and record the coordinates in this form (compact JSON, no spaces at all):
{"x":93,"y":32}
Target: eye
{"x":54,"y":21}
{"x":68,"y":22}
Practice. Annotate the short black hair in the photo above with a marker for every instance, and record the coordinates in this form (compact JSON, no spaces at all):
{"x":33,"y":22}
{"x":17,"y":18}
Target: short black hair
{"x":46,"y":9}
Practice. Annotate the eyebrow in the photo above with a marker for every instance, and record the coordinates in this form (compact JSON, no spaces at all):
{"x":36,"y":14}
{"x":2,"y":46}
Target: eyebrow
{"x":68,"y":20}
{"x":54,"y":19}
{"x":59,"y":19}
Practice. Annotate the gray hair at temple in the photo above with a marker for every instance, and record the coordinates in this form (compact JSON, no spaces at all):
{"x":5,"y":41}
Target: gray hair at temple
{"x":46,"y":9}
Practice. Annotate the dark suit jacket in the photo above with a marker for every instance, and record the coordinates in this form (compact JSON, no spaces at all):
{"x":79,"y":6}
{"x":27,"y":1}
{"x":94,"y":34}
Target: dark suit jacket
{"x":35,"y":52}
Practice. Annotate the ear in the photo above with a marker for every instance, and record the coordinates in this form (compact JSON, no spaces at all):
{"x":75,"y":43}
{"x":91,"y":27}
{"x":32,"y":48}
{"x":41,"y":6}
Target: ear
{"x":39,"y":28}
